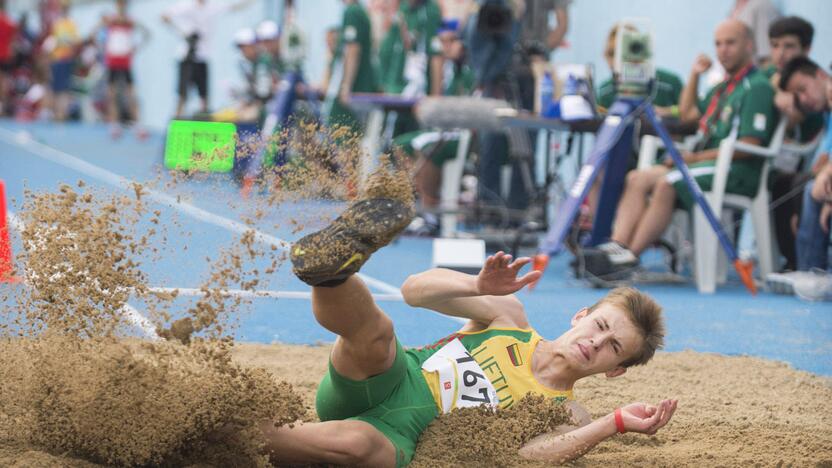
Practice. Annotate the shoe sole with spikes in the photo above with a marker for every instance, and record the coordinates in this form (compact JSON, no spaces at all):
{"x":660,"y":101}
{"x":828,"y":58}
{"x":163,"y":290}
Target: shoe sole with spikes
{"x":329,"y":256}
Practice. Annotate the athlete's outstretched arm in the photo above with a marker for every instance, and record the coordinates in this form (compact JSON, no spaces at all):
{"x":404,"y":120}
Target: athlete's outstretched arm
{"x":484,"y":298}
{"x":636,"y":417}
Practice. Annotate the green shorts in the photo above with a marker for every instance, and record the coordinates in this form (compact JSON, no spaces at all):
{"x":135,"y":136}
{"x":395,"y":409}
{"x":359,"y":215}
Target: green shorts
{"x":430,"y":144}
{"x":398,"y":402}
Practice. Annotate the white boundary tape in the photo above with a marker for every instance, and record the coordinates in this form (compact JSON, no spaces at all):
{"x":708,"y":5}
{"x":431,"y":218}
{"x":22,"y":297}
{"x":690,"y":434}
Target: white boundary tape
{"x":244,"y":294}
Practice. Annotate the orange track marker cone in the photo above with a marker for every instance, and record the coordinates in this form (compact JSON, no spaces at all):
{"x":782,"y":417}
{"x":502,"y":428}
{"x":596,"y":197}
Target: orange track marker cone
{"x":746,"y":269}
{"x":539,"y":263}
{"x":6,"y":264}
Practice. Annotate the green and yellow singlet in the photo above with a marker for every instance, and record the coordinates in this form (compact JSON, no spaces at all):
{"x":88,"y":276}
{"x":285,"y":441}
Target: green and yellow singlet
{"x":503,"y":356}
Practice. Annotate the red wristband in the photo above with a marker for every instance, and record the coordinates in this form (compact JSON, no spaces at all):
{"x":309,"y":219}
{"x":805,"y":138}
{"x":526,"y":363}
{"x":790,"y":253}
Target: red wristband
{"x":619,"y":421}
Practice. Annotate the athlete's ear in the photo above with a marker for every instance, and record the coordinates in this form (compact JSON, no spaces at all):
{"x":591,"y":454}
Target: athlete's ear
{"x":615,"y":372}
{"x":579,"y":315}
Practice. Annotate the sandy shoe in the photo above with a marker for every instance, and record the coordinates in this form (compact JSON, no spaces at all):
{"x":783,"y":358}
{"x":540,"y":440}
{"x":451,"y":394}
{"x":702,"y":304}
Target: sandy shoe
{"x":329,"y":256}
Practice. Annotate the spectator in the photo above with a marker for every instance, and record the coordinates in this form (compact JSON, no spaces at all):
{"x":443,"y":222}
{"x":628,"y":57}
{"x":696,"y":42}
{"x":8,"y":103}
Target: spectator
{"x":8,"y":31}
{"x":352,"y":69}
{"x":391,"y":52}
{"x":758,"y":16}
{"x":790,"y":37}
{"x":745,"y":96}
{"x":812,"y":88}
{"x":193,"y":21}
{"x":62,"y":45}
{"x":668,"y":84}
{"x":268,"y":38}
{"x":504,"y":71}
{"x":119,"y":47}
{"x":421,"y":20}
{"x":257,"y":74}
{"x":432,"y":149}
{"x":331,"y":41}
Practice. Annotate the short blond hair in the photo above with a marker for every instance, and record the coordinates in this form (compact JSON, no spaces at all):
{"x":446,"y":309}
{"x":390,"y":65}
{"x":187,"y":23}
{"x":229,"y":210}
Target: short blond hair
{"x":645,"y":313}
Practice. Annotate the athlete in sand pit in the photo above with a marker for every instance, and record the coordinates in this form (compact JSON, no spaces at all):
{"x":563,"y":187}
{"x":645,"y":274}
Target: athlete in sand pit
{"x":377,"y":397}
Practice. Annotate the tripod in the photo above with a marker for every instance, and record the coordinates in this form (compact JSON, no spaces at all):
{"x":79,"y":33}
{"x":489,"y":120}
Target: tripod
{"x":611,"y":151}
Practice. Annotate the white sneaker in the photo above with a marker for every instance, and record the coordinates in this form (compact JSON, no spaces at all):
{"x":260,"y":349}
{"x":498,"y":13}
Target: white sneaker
{"x":618,"y":254}
{"x":783,"y":283}
{"x":817,"y":286}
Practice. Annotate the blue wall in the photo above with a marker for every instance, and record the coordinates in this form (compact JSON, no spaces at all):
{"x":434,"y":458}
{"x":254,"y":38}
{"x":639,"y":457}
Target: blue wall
{"x":682,"y":29}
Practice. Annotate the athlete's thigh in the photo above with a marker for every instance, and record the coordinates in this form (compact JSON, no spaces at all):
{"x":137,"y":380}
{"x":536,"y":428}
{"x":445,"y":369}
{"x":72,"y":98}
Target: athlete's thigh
{"x":367,"y":354}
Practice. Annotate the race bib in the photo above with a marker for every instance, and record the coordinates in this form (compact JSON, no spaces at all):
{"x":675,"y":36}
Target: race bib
{"x":119,"y":43}
{"x":462,"y":383}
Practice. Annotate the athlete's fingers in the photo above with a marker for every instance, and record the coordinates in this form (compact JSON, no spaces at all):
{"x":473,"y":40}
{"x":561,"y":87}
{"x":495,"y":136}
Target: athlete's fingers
{"x":669,"y":408}
{"x":530,"y":277}
{"x":489,"y":262}
{"x":520,"y":263}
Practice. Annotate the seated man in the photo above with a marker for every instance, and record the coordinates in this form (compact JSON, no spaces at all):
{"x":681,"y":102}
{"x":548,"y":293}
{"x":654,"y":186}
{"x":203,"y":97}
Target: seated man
{"x":432,"y":148}
{"x":745,"y":98}
{"x":790,"y":37}
{"x":812,"y":88}
{"x":377,"y":398}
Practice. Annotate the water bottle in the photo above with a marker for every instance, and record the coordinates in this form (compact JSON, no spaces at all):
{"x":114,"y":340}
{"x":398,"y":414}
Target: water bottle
{"x":547,"y":92}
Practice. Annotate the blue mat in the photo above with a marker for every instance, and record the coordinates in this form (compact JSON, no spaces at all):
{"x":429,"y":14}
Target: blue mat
{"x":730,"y":322}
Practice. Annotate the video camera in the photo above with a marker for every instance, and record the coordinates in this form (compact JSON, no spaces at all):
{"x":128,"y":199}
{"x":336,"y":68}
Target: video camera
{"x":633,"y":63}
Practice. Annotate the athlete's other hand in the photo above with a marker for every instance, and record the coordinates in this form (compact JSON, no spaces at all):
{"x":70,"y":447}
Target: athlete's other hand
{"x":498,"y":276}
{"x":647,"y":419}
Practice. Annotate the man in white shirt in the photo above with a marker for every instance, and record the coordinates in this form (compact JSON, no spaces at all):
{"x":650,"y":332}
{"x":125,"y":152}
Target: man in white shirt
{"x":193,"y":20}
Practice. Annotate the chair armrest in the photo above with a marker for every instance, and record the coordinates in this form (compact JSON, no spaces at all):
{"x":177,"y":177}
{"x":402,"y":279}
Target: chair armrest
{"x":648,"y":150}
{"x":755,"y":150}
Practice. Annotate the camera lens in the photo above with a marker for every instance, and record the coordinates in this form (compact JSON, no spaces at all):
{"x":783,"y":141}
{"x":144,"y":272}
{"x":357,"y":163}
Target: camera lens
{"x":636,"y":47}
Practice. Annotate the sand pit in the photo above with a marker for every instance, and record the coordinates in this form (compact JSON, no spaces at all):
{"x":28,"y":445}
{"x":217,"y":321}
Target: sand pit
{"x":733,"y":411}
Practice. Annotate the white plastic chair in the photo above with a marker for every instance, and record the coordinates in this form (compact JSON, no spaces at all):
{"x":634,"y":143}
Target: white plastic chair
{"x":709,"y":261}
{"x":451,"y":182}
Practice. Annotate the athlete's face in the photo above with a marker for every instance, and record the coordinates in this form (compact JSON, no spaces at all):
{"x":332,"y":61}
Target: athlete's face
{"x":601,"y":340}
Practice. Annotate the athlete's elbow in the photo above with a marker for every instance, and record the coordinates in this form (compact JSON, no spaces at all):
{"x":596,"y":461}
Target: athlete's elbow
{"x":411,"y":291}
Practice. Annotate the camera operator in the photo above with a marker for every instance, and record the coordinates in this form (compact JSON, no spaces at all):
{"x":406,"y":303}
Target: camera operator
{"x":504,"y":38}
{"x":193,"y":20}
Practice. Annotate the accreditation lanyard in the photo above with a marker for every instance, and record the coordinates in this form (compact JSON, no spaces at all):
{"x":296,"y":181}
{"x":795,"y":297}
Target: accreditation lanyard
{"x":714,"y":109}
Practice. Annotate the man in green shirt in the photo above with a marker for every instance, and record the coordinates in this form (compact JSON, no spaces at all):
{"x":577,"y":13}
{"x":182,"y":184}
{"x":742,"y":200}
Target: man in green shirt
{"x":352,"y":69}
{"x":668,"y":84}
{"x":432,"y":148}
{"x":746,"y":99}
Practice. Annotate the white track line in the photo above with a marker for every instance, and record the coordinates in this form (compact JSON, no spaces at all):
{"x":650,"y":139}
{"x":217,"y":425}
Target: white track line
{"x":133,"y":315}
{"x":241,"y":293}
{"x":193,"y":292}
{"x":136,"y":318}
{"x":25,"y":141}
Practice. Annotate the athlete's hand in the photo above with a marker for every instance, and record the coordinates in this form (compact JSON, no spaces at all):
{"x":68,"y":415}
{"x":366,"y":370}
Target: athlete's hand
{"x":647,"y":419}
{"x":498,"y":276}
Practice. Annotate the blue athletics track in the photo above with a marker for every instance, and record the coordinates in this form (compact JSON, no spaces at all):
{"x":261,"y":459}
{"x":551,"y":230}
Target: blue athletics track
{"x":42,"y":156}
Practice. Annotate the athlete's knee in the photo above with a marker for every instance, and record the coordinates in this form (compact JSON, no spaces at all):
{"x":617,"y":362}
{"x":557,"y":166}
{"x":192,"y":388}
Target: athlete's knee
{"x":351,"y":446}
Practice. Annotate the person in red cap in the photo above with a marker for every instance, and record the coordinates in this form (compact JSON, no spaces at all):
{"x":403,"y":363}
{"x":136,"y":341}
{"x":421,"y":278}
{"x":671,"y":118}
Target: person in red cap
{"x":8,"y":31}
